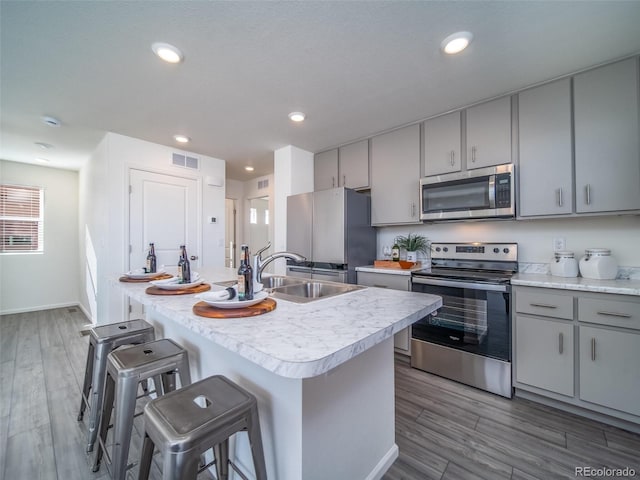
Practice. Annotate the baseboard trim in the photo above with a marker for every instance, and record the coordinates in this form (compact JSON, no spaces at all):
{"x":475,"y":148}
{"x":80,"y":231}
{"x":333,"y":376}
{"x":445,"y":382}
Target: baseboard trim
{"x":384,"y":464}
{"x":39,"y":308}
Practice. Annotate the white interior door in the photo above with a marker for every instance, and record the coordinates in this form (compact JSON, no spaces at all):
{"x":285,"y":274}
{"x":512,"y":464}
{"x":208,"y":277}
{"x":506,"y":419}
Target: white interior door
{"x":162,"y":210}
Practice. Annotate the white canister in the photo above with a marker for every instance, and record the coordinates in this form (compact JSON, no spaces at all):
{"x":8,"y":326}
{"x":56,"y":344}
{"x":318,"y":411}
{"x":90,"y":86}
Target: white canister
{"x":564,"y":264}
{"x":598,"y":264}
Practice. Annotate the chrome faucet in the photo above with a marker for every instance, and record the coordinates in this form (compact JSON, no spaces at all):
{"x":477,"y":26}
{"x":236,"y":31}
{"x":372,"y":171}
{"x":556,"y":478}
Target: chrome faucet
{"x":259,"y":263}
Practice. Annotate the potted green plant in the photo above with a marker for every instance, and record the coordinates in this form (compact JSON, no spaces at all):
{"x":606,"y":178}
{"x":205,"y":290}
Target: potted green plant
{"x":413,"y":243}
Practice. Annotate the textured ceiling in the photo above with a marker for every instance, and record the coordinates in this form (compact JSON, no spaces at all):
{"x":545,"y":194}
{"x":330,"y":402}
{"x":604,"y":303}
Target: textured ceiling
{"x":355,"y":68}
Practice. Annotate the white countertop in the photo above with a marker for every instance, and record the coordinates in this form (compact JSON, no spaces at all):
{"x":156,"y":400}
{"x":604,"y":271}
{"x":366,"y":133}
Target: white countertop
{"x":390,"y":271}
{"x":298,"y":340}
{"x":620,"y":287}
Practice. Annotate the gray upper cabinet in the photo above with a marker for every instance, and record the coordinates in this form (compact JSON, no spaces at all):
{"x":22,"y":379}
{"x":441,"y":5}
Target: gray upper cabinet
{"x":325,"y":170}
{"x":354,"y":165}
{"x":606,"y":138}
{"x":395,"y":175}
{"x":442,"y":137}
{"x":546,"y":172}
{"x":489,"y":133}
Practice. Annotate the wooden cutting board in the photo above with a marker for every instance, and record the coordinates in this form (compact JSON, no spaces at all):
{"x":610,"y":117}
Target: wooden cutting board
{"x":205,"y":310}
{"x":162,"y":276}
{"x":153,"y":290}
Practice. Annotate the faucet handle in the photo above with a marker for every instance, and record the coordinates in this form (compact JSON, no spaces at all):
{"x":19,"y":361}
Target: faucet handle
{"x":259,"y":252}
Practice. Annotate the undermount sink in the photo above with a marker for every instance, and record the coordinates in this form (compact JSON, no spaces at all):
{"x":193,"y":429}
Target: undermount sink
{"x":276,"y":281}
{"x":307,"y":290}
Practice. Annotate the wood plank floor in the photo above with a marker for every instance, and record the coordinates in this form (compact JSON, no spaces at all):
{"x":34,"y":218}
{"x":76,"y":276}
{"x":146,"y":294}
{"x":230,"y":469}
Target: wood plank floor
{"x":444,"y":430}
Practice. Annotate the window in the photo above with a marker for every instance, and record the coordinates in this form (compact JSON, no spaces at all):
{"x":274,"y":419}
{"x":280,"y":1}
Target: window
{"x":21,"y":219}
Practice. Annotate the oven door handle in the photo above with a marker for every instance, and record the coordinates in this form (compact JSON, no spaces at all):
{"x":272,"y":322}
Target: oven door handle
{"x":453,"y":283}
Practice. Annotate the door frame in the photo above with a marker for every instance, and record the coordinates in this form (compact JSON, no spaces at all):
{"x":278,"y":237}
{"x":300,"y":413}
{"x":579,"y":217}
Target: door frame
{"x":127,"y":214}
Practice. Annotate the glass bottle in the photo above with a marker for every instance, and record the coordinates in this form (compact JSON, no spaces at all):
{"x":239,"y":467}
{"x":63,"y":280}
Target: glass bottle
{"x":151,"y":259}
{"x":395,"y":252}
{"x":245,"y":276}
{"x":184,"y":267}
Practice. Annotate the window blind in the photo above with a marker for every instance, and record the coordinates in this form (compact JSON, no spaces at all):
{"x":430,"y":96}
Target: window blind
{"x":21,"y":222}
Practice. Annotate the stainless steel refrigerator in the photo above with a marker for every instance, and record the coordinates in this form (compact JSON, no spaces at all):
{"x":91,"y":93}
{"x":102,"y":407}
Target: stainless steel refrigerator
{"x":332,"y":228}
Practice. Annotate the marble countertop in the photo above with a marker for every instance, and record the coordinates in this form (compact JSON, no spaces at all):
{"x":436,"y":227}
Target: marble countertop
{"x":297,"y":340}
{"x":620,"y":287}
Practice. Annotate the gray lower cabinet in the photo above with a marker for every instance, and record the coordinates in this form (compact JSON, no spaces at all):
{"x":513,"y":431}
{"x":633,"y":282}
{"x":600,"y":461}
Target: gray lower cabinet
{"x":402,"y":339}
{"x":607,"y":156}
{"x":442,"y":139}
{"x":395,"y":177}
{"x":579,"y":348}
{"x":545,"y":170}
{"x":489,"y":133}
{"x":325,"y":170}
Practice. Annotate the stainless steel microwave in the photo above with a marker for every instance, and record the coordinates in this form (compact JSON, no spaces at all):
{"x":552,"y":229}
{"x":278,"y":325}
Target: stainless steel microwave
{"x":480,"y":193}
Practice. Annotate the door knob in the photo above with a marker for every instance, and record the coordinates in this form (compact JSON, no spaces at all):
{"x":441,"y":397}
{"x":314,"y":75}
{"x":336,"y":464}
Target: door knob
{"x":193,"y":257}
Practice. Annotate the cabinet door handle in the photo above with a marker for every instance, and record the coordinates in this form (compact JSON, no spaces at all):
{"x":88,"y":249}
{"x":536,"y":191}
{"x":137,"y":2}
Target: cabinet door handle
{"x":452,"y":158}
{"x":473,"y":154}
{"x":615,"y":314}
{"x":560,"y":202}
{"x":587,"y":191}
{"x":593,"y":349}
{"x":333,"y":182}
{"x":560,"y":343}
{"x":344,"y":180}
{"x":543,"y":305}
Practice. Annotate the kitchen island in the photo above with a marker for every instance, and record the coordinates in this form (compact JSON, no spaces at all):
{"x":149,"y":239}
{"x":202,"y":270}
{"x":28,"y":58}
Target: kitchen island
{"x":322,"y":372}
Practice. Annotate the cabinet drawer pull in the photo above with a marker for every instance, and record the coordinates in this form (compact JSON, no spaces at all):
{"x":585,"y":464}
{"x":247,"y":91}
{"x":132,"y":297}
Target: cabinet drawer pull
{"x":381,"y":286}
{"x":560,"y":343}
{"x":615,"y":314}
{"x":593,"y":349}
{"x":543,"y":305}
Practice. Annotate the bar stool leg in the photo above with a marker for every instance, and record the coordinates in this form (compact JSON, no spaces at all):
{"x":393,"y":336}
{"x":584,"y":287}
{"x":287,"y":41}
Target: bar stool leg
{"x":146,"y":456}
{"x":221,"y":454}
{"x":86,"y":387}
{"x":99,"y":372}
{"x":125,"y":398}
{"x":105,"y":420}
{"x":255,"y":439}
{"x":180,"y":466}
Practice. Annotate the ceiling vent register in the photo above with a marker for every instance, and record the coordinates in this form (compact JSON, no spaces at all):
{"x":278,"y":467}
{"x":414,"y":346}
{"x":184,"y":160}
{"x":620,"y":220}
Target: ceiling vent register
{"x":186,"y":161}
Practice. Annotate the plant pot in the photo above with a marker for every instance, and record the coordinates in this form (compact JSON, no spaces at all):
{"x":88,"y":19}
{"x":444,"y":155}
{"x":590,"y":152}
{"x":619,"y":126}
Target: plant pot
{"x":412,"y":257}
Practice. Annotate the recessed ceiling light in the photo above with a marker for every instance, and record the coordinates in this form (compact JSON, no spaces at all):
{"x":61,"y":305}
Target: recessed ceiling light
{"x":297,"y":116}
{"x":44,"y":146}
{"x":456,"y":42}
{"x":249,"y":168}
{"x":51,"y":121}
{"x":181,"y":138}
{"x":42,"y":160}
{"x":167,"y":52}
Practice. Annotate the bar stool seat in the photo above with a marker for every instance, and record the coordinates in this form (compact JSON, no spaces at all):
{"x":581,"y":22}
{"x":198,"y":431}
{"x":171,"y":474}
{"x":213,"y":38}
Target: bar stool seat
{"x":186,"y":423}
{"x":103,"y":340}
{"x":126,"y":368}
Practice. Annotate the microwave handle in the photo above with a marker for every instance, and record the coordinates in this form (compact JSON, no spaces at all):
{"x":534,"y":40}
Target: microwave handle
{"x":492,"y":191}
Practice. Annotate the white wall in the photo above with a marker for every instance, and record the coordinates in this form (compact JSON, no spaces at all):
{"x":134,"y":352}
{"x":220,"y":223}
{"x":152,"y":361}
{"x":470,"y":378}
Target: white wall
{"x":37,"y":281}
{"x":105,"y":205}
{"x":535,"y":237}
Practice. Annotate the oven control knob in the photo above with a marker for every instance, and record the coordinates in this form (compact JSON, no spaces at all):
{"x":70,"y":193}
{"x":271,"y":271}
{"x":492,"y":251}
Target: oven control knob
{"x":496,"y":250}
{"x":437,"y":249}
{"x":445,"y":249}
{"x":506,"y":250}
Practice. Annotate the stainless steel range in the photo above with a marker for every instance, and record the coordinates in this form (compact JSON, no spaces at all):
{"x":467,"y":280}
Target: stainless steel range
{"x":469,"y":338}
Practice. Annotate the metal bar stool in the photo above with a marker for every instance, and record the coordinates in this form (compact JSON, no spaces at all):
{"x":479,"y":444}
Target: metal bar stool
{"x":186,"y":423}
{"x":125,"y":369}
{"x":103,"y":340}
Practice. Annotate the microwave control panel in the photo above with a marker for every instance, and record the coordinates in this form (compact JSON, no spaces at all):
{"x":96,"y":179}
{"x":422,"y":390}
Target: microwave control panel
{"x":503,"y":190}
